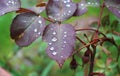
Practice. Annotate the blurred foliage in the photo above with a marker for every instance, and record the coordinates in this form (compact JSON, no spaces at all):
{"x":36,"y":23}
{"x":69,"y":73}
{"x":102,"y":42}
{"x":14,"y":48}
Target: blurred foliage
{"x":33,"y":61}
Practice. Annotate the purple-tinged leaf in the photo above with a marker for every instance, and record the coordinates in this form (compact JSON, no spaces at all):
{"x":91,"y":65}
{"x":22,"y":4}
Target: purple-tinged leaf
{"x":113,"y":6}
{"x":61,"y":40}
{"x":60,"y":10}
{"x":81,"y":8}
{"x":27,"y":27}
{"x":8,"y":6}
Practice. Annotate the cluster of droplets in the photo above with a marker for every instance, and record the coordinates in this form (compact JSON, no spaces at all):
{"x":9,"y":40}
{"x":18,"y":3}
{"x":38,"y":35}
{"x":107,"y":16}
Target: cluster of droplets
{"x":93,"y":4}
{"x":66,"y":1}
{"x":36,"y":31}
{"x":11,"y":2}
{"x":54,"y":39}
{"x":63,"y":14}
{"x":64,"y":37}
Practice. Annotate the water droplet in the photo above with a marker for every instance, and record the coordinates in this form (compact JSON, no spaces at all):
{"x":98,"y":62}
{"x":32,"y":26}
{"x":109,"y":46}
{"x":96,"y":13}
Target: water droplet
{"x":52,"y":48}
{"x":35,"y":30}
{"x":50,"y":43}
{"x":65,"y":1}
{"x":40,"y":21}
{"x":65,"y":35}
{"x":82,"y":4}
{"x":65,"y":32}
{"x":54,"y":33}
{"x":54,"y":53}
{"x":69,"y":11}
{"x":96,"y":3}
{"x":39,"y":33}
{"x":89,"y":3}
{"x":61,"y":56}
{"x":68,"y":5}
{"x":10,"y":3}
{"x":64,"y":42}
{"x":54,"y":39}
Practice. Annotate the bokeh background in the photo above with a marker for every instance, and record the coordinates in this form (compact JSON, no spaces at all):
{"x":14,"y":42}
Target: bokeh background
{"x":33,"y":60}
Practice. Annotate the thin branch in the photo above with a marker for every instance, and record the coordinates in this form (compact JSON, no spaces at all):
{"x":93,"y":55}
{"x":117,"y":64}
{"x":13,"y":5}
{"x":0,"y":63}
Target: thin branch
{"x":100,"y":16}
{"x":49,"y":19}
{"x":81,"y":40}
{"x":84,"y":29}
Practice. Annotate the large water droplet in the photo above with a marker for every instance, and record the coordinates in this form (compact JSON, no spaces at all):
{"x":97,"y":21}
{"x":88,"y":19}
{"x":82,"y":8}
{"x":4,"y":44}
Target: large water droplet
{"x":52,"y":48}
{"x":35,"y":30}
{"x":54,"y":53}
{"x":54,"y":39}
{"x":40,"y":21}
{"x":82,"y":4}
{"x":54,"y":33}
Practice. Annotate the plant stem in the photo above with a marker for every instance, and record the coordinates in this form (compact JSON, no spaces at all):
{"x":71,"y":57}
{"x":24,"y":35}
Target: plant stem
{"x":92,"y":61}
{"x":100,"y":16}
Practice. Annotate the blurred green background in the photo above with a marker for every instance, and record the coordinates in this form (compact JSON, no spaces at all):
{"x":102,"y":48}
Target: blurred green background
{"x":33,"y":60}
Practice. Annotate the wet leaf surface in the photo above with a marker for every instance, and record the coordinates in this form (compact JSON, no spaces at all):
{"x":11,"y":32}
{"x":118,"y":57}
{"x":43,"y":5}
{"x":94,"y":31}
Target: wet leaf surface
{"x":81,"y":8}
{"x":26,"y":28}
{"x":8,"y":6}
{"x":113,"y":6}
{"x":61,"y":40}
{"x":60,"y":10}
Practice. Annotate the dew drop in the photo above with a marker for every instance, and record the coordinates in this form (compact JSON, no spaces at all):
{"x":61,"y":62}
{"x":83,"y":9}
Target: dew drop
{"x":54,"y":33}
{"x":65,"y":1}
{"x":39,"y":33}
{"x":96,"y":3}
{"x":61,"y":56}
{"x":52,"y":48}
{"x":50,"y":43}
{"x":82,"y":4}
{"x":65,"y":32}
{"x":64,"y":42}
{"x":69,"y":11}
{"x":35,"y":30}
{"x":54,"y":53}
{"x":54,"y":39}
{"x":89,"y":3}
{"x":65,"y":35}
{"x":68,"y":5}
{"x":40,"y":21}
